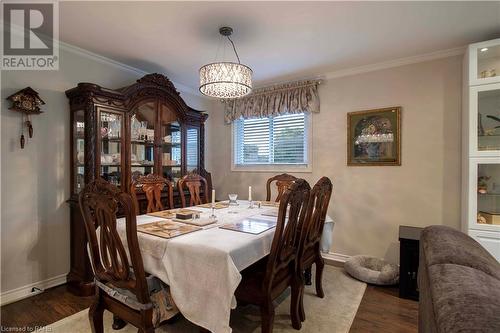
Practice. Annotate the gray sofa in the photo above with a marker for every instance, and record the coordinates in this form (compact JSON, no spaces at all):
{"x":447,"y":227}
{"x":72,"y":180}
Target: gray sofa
{"x":459,"y":284}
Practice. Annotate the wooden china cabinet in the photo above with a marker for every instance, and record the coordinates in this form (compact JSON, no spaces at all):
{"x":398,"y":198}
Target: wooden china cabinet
{"x":121,"y":134}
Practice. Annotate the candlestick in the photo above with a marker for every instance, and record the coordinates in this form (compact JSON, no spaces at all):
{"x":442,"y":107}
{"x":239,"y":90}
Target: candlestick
{"x":213,"y":197}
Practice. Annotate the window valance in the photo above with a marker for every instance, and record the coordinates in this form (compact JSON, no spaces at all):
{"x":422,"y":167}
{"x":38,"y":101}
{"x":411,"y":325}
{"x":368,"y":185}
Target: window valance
{"x":289,"y":98}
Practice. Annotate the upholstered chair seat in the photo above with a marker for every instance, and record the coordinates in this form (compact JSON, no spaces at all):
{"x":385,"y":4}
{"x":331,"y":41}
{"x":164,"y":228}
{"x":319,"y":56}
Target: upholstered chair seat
{"x":164,"y":307}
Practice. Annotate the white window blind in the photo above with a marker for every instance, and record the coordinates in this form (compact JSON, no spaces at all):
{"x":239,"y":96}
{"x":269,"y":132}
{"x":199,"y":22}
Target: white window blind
{"x":192,"y":148}
{"x":273,"y":140}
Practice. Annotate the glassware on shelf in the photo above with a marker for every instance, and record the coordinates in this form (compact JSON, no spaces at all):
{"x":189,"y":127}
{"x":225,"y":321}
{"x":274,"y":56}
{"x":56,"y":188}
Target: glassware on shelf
{"x":135,"y":127}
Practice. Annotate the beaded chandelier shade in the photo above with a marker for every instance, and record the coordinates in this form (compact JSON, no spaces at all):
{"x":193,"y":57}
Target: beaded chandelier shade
{"x":226,"y":80}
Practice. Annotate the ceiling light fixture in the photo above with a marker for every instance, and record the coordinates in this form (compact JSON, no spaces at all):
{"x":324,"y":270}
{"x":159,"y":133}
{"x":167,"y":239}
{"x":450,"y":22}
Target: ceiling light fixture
{"x":484,"y":49}
{"x":225,"y":79}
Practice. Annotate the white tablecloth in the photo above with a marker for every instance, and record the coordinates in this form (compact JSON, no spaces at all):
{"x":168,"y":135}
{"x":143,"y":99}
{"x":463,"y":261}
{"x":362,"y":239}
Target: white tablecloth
{"x":203,"y":268}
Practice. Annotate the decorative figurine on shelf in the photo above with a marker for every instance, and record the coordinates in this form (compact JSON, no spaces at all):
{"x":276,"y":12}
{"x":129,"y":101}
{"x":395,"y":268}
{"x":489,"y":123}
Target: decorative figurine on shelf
{"x":482,"y":184}
{"x":488,"y":73}
{"x":27,"y":102}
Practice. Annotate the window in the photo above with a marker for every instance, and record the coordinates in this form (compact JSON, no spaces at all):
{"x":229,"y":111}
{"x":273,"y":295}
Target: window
{"x":267,"y":142}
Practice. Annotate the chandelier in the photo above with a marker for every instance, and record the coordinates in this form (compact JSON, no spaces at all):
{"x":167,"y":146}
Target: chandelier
{"x":226,"y":79}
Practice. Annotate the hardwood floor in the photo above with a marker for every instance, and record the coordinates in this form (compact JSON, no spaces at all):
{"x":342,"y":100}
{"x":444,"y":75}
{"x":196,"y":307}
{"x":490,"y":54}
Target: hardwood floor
{"x":46,"y":308}
{"x":381,"y":310}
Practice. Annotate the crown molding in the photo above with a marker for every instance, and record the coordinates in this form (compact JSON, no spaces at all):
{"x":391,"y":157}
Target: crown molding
{"x":108,"y":61}
{"x":396,"y":63}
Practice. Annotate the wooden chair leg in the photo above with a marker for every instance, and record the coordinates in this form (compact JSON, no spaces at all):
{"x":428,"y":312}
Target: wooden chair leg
{"x":295,"y":303}
{"x":302,"y":313}
{"x":267,"y":314}
{"x":96,"y":312}
{"x":320,"y":265}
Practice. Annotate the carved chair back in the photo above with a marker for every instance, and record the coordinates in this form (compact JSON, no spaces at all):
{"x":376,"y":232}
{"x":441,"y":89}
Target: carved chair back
{"x":152,"y":185}
{"x":312,"y":229}
{"x":281,"y":263}
{"x":99,"y":203}
{"x":194,"y":183}
{"x":283,"y":181}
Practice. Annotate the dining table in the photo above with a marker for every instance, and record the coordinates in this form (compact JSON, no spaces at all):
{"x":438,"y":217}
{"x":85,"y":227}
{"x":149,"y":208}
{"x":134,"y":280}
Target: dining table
{"x":202,"y":268}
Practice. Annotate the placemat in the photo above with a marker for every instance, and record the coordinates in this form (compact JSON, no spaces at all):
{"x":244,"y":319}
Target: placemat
{"x":170,"y":214}
{"x":251,"y":225}
{"x":166,"y":229}
{"x":201,"y":222}
{"x":218,"y":205}
{"x":270,"y":203}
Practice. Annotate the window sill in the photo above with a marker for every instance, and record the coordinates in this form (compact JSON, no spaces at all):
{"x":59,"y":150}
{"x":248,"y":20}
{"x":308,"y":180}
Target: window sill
{"x":272,"y":168}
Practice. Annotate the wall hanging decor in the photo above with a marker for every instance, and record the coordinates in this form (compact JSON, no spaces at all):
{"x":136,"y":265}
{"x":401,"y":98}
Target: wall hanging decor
{"x":374,"y":137}
{"x":27,"y":102}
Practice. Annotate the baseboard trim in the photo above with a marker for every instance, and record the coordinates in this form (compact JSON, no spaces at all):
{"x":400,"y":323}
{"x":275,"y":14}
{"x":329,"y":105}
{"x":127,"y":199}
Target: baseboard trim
{"x":20,"y":293}
{"x":335,"y":259}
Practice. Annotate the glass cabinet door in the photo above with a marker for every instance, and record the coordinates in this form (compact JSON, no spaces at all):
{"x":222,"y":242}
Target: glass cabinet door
{"x":485,"y":107}
{"x":484,"y":60}
{"x":78,"y":150}
{"x":485,"y":201}
{"x":192,"y":148}
{"x":171,"y":144}
{"x":142,"y":140}
{"x":110,"y":133}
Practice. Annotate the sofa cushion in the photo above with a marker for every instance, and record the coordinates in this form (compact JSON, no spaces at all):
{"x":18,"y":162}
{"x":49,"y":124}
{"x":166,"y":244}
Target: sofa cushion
{"x":464,"y":299}
{"x":445,"y":245}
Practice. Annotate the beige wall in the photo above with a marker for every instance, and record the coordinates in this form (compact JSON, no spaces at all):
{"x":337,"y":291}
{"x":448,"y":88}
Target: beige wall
{"x":35,"y":180}
{"x":369,"y":203}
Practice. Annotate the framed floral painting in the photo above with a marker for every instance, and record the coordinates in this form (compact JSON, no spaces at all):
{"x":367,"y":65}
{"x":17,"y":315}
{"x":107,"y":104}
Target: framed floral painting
{"x":374,"y":137}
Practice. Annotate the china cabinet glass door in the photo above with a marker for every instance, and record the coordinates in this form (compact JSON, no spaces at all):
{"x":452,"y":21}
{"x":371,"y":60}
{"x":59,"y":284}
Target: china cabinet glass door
{"x":485,"y":200}
{"x":485,"y":103}
{"x":171,"y":144}
{"x":142,"y":140}
{"x":485,"y":62}
{"x":78,"y":150}
{"x":110,"y":133}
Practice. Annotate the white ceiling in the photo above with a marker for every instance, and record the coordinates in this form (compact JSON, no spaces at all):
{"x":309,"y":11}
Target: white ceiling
{"x":279,"y":40}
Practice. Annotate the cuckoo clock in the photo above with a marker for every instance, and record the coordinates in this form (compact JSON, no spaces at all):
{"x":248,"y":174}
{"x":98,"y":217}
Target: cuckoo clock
{"x":26,"y":102}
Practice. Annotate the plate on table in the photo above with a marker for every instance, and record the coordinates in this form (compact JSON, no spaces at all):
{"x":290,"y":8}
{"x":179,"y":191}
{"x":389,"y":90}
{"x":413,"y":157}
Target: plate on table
{"x":166,"y":229}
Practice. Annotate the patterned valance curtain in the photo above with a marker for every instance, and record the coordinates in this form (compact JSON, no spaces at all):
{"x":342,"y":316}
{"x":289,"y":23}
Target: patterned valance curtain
{"x":294,"y":97}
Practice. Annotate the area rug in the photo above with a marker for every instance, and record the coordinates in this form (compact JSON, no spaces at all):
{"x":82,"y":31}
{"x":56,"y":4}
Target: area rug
{"x":333,"y":314}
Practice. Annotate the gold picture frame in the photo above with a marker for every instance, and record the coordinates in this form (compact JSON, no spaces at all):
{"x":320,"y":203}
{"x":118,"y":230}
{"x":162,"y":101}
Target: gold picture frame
{"x":374,"y":137}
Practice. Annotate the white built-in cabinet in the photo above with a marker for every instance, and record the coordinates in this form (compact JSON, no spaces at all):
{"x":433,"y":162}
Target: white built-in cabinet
{"x":481,"y":144}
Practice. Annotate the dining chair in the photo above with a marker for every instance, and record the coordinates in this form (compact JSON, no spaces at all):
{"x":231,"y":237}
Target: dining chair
{"x":121,"y":283}
{"x":152,"y":186}
{"x":310,"y":236}
{"x":267,"y":279}
{"x":195,"y":184}
{"x":282,"y":182}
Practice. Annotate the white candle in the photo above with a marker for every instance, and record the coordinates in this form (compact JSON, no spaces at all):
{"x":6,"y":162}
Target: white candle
{"x":249,"y":193}
{"x":213,"y":197}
